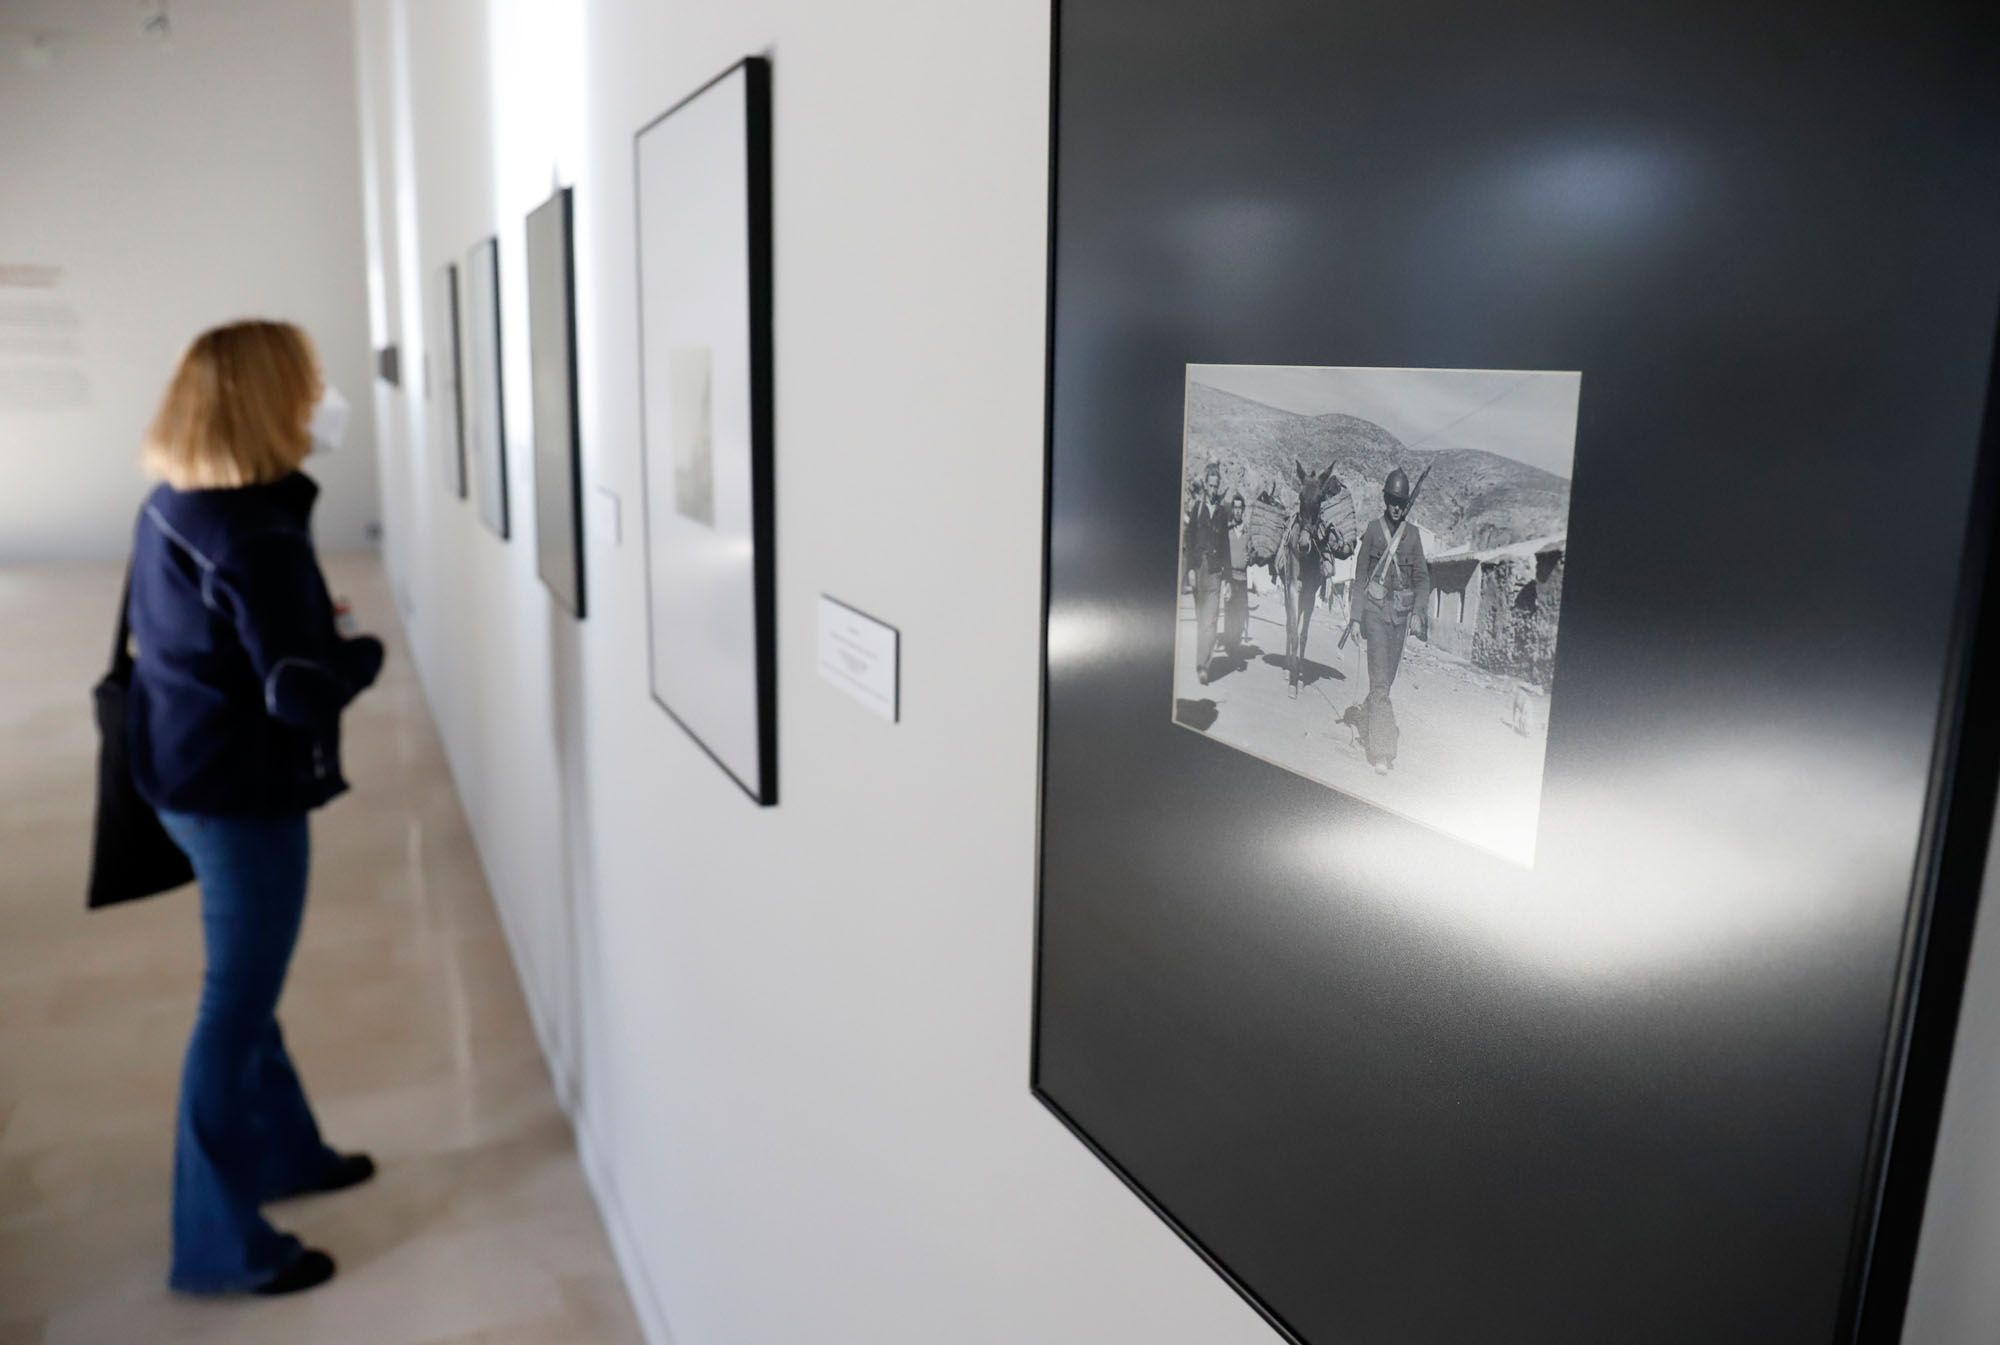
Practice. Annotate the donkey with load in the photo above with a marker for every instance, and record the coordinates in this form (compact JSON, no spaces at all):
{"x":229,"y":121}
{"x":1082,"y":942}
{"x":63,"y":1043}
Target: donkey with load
{"x":1300,"y":544}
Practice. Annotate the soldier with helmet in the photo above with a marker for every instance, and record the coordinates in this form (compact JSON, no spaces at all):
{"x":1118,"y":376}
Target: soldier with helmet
{"x":1392,"y":584}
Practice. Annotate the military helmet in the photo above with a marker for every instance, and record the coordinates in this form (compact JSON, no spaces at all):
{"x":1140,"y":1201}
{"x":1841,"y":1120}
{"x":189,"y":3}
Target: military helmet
{"x":1396,"y":490}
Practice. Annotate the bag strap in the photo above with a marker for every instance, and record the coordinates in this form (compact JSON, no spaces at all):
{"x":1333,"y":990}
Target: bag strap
{"x":1389,"y":552}
{"x":121,"y":651}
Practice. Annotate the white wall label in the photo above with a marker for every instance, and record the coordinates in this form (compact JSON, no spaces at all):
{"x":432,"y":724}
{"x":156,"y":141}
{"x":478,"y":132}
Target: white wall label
{"x":861,"y":656}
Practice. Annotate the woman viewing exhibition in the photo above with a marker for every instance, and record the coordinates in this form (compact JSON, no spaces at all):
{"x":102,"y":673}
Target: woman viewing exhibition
{"x":234,"y":729}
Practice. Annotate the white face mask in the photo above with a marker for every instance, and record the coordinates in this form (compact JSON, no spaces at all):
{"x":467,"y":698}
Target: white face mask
{"x":327,"y":425}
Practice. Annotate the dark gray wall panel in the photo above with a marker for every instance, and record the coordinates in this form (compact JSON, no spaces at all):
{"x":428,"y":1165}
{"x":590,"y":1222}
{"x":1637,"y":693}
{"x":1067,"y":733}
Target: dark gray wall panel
{"x":1403,"y":1091}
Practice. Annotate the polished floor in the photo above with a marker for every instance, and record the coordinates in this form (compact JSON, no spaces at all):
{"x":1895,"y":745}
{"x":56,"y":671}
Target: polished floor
{"x":403,"y":1013}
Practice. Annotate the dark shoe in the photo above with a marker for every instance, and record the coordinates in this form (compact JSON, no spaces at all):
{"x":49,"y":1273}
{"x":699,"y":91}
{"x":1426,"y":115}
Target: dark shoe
{"x":347,"y":1170}
{"x":308,"y":1270}
{"x":351,"y":1170}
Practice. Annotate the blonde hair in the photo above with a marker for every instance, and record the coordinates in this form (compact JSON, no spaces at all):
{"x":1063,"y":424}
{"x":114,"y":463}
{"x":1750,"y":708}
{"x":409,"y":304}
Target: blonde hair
{"x":236,"y":409}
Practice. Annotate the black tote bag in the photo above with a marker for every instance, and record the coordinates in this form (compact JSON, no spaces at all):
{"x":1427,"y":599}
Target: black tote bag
{"x":131,"y":854}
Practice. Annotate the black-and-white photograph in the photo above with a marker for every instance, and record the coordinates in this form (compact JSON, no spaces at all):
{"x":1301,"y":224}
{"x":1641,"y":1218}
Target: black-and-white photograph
{"x":485,"y":401}
{"x":692,"y":409}
{"x":552,"y":377}
{"x":444,"y":387}
{"x":1370,"y":583}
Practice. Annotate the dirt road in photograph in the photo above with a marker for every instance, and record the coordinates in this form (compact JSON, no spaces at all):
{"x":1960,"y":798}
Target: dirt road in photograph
{"x":1461,"y":767}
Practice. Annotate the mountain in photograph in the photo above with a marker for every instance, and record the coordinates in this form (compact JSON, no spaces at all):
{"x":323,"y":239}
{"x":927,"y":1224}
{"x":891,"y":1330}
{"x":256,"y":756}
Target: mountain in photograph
{"x":1473,"y":500}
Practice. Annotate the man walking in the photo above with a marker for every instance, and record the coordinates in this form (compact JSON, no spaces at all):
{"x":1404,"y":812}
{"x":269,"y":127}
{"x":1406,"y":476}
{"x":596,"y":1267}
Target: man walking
{"x":1392,"y":583}
{"x":1205,"y":551}
{"x":1236,"y":610}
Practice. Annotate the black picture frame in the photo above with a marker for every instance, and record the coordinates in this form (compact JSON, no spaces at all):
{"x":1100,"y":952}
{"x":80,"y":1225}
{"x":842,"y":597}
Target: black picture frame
{"x":486,"y":406}
{"x":448,"y":386}
{"x":559,"y":551}
{"x":1103,"y":344}
{"x":749,"y":758}
{"x":1964,"y":791}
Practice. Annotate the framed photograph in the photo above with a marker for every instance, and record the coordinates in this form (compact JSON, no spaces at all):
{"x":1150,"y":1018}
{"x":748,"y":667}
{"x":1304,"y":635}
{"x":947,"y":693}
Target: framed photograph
{"x":552,"y":358}
{"x":1511,"y":879}
{"x":446,"y":392}
{"x":703,"y":172}
{"x":1387,"y":545}
{"x":486,"y":409}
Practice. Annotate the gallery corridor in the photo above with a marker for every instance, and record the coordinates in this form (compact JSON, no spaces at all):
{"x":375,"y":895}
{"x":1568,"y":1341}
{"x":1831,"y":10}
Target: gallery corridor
{"x":403,"y":1011}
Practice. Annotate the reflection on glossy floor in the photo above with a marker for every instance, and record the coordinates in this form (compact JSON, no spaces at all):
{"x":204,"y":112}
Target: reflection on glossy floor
{"x":403,"y":1013}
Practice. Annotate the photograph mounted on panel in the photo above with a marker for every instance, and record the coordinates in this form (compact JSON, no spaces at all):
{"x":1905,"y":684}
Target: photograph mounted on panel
{"x":692,"y":408}
{"x":447,"y":394}
{"x":552,"y":359}
{"x":703,"y":172}
{"x":1370,"y":580}
{"x":486,"y":416}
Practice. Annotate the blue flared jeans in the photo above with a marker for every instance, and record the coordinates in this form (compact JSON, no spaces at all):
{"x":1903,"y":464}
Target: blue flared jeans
{"x":245,"y":1134}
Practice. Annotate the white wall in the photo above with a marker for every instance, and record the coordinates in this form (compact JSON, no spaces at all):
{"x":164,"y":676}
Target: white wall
{"x":170,"y":186}
{"x":795,"y":1040}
